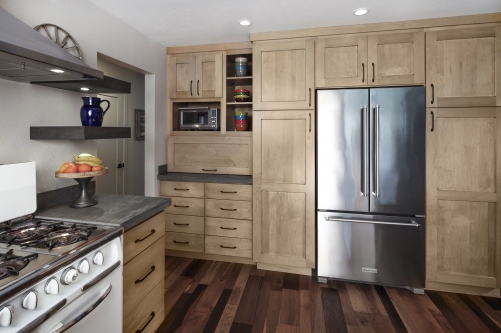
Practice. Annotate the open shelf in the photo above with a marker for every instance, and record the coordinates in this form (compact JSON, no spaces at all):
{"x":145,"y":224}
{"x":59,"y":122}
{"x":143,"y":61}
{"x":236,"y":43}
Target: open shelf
{"x":78,"y":132}
{"x":234,"y":82}
{"x":239,"y":103}
{"x":239,"y":78}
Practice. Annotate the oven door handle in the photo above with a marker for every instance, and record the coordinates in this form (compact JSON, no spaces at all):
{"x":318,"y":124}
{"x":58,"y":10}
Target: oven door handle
{"x":40,"y":320}
{"x":100,"y":276}
{"x":64,"y":327}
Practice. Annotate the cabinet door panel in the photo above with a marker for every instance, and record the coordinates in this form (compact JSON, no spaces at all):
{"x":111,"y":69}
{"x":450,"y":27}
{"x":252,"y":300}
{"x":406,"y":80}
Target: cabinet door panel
{"x":182,"y":76}
{"x":341,"y":62}
{"x":464,"y":67}
{"x":284,"y":75}
{"x":396,"y":59}
{"x":209,"y":75}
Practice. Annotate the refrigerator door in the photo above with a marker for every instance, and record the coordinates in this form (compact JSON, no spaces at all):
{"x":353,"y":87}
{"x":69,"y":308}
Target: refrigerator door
{"x":343,"y":150}
{"x":398,"y":127}
{"x":372,"y":248}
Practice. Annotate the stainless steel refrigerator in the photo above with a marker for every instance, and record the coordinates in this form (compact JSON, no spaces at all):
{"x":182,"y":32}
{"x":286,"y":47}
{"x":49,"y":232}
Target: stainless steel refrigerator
{"x":371,"y":185}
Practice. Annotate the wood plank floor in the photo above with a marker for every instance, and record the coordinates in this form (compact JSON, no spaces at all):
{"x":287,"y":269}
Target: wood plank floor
{"x":208,"y":296}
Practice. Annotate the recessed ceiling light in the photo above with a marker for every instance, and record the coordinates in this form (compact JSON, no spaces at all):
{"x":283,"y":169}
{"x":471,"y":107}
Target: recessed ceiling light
{"x":58,"y":71}
{"x":84,"y":89}
{"x":360,"y":11}
{"x":244,"y":22}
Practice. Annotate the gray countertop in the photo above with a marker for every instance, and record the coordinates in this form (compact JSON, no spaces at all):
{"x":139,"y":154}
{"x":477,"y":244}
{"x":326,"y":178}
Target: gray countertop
{"x":205,"y":178}
{"x":125,"y":211}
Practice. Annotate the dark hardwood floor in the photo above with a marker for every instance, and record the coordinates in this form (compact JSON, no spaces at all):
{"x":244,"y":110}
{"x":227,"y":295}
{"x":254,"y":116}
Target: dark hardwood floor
{"x":207,"y":296}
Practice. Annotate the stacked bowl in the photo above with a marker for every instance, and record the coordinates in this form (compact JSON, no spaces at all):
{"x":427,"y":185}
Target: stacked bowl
{"x":240,"y":120}
{"x":242,"y":95}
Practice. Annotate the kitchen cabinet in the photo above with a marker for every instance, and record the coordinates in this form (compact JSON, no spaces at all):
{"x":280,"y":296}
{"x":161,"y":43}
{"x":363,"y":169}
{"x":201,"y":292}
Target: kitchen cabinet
{"x":196,"y":76}
{"x":463,"y":199}
{"x":210,"y":154}
{"x":463,"y":67}
{"x":284,"y":75}
{"x":213,"y":221}
{"x":395,"y":58}
{"x":144,"y":271}
{"x":284,"y":190}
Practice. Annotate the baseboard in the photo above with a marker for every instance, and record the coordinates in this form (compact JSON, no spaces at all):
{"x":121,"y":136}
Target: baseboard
{"x":462,"y":289}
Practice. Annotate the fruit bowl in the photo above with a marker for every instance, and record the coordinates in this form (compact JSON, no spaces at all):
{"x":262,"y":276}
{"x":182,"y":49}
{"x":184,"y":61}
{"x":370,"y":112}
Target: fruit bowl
{"x":75,"y":175}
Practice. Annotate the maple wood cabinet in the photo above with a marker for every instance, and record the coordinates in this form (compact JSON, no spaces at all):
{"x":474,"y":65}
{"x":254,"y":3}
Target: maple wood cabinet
{"x":395,"y":58}
{"x":284,"y":190}
{"x":284,"y":75}
{"x":196,"y":76}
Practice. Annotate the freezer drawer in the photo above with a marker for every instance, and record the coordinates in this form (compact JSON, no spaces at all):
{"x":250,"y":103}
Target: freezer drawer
{"x":369,"y":248}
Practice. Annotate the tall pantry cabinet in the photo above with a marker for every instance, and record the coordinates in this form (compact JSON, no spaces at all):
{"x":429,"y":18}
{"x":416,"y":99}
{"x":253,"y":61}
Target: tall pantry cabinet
{"x":463,"y":83}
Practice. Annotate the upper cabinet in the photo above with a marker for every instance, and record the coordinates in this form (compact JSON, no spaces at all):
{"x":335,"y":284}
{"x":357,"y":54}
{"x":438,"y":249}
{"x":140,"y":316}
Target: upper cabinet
{"x":196,"y":76}
{"x":463,"y":67}
{"x":284,"y":75}
{"x":382,"y":59}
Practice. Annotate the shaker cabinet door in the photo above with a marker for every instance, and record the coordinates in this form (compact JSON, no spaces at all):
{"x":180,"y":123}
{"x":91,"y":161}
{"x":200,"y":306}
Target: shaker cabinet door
{"x":209,"y":71}
{"x":181,"y":78}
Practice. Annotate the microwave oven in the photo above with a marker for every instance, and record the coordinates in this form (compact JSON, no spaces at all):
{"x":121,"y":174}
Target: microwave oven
{"x":199,"y":118}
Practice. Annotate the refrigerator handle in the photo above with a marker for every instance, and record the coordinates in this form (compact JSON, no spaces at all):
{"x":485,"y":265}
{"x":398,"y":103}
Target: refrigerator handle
{"x":337,"y":219}
{"x":375,"y":191}
{"x":365,"y":179}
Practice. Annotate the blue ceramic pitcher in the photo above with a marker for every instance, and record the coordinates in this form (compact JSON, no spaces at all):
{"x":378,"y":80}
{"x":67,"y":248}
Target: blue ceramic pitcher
{"x":91,"y":113}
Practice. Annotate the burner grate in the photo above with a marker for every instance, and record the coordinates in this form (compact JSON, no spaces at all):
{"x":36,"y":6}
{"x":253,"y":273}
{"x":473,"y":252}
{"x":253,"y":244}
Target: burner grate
{"x":10,"y":264}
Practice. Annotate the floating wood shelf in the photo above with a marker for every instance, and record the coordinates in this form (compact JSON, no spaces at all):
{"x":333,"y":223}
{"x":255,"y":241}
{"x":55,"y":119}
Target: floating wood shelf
{"x":239,"y":77}
{"x":238,"y":103}
{"x":106,"y":85}
{"x":78,"y":132}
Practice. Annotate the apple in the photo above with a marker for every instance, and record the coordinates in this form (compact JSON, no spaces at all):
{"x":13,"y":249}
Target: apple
{"x":84,"y":167}
{"x":70,"y":169}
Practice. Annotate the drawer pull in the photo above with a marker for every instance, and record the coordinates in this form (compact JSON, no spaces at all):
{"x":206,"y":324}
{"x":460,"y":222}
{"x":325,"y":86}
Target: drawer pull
{"x":184,"y":243}
{"x":230,"y":192}
{"x":181,"y":224}
{"x":230,"y":210}
{"x":228,"y":247}
{"x":180,"y":206}
{"x":148,"y":235}
{"x":209,"y":169}
{"x":152,"y":269}
{"x":152,"y":315}
{"x":181,"y":189}
{"x":224,"y":228}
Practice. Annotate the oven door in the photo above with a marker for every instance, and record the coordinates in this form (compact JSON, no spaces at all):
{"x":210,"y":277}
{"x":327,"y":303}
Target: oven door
{"x":97,"y":310}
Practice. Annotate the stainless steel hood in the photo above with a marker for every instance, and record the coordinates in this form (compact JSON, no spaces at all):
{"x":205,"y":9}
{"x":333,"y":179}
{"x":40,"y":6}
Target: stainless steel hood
{"x":27,"y":56}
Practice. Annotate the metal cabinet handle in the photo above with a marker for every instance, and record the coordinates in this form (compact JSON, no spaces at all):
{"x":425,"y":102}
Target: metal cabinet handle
{"x":152,"y":315}
{"x":228,"y":247}
{"x":224,"y":228}
{"x":365,"y":149}
{"x":230,"y":210}
{"x":373,"y":72}
{"x":148,"y":235}
{"x":209,"y":169}
{"x":175,"y":241}
{"x":181,"y":224}
{"x":363,"y":72}
{"x":432,"y":121}
{"x":181,"y":206}
{"x":375,"y":191}
{"x":181,"y":189}
{"x":310,"y":97}
{"x":191,"y":88}
{"x":432,"y":93}
{"x":228,"y":192}
{"x":309,"y":115}
{"x":198,"y":93}
{"x":335,"y":219}
{"x":152,"y":269}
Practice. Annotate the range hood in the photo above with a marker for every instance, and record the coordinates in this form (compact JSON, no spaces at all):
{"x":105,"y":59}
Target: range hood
{"x":27,"y":56}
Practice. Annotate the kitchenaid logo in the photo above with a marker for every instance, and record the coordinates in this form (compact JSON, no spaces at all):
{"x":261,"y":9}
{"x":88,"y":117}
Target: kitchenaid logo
{"x":369,"y":270}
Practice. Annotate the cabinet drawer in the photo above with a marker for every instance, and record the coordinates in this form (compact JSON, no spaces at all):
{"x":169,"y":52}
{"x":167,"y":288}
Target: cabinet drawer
{"x":228,"y":228}
{"x":235,"y":247}
{"x":186,"y":224}
{"x":184,"y":242}
{"x":228,"y":191}
{"x":153,"y":303}
{"x":142,"y":274}
{"x":140,"y":237}
{"x":186,"y":206}
{"x":182,"y":189}
{"x":241,"y":210}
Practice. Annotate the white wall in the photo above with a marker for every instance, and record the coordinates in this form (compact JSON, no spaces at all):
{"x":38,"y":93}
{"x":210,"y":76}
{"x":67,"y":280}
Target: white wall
{"x":134,"y":163}
{"x":23,"y":105}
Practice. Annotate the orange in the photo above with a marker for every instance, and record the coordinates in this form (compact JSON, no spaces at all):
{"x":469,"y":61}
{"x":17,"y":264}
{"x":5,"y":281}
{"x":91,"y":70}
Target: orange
{"x":84,"y":167}
{"x":70,"y":169}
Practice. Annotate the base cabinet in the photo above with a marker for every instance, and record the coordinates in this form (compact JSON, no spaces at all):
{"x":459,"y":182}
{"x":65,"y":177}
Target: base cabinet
{"x":284,"y":189}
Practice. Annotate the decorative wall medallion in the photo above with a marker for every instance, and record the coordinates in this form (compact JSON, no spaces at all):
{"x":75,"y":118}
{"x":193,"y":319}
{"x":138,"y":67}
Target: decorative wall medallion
{"x":61,"y":37}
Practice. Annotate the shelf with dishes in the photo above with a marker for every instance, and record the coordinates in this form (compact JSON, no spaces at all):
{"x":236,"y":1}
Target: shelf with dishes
{"x":239,"y":92}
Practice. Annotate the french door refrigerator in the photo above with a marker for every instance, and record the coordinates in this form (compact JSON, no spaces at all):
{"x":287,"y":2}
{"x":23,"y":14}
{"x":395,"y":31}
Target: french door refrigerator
{"x":371,"y":185}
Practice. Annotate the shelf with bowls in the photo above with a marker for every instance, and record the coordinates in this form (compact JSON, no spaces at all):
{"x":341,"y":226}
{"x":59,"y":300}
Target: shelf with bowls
{"x":234,"y":85}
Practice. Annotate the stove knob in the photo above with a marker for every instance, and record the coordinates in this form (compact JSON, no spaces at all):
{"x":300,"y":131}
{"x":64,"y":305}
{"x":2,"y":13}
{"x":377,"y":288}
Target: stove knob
{"x":6,"y":315}
{"x":52,"y":286}
{"x":30,"y":300}
{"x":84,"y":266}
{"x":69,"y":275}
{"x":98,"y":258}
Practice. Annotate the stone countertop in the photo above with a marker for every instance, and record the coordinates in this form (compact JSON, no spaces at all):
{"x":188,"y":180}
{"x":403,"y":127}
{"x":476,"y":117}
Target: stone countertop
{"x":126,"y":211}
{"x":205,"y":178}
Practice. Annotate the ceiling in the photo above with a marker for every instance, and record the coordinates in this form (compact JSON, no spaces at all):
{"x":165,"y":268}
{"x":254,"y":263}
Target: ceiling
{"x":194,"y":22}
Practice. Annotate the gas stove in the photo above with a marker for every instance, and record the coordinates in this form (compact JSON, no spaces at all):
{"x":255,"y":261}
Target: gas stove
{"x":15,"y":264}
